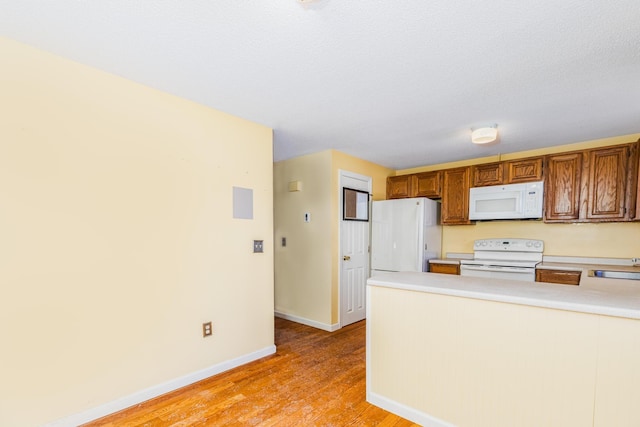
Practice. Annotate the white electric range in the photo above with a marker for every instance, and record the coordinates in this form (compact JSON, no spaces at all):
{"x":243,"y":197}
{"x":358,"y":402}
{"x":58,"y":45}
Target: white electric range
{"x":514,"y":259}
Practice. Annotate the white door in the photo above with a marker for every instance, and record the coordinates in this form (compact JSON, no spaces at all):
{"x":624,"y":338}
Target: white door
{"x":354,"y":255}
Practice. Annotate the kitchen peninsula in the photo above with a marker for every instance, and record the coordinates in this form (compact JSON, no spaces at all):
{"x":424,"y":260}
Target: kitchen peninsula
{"x":447,"y":350}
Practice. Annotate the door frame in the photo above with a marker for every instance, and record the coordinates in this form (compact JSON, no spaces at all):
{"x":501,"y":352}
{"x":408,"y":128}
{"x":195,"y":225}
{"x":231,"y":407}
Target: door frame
{"x":341,"y":175}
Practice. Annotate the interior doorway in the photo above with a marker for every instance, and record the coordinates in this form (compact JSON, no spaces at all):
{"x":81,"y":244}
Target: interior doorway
{"x":354,"y":247}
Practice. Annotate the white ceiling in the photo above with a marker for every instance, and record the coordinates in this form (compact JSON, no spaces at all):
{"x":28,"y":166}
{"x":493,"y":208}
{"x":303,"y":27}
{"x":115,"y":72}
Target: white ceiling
{"x":399,"y":83}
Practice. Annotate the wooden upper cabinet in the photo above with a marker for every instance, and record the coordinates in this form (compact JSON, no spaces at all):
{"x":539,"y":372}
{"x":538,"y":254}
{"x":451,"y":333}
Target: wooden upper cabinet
{"x":487,"y":174}
{"x":508,"y":172}
{"x":595,"y":185}
{"x":399,"y":187}
{"x":428,"y":184}
{"x":607,"y":182}
{"x":523,"y":170}
{"x":562,"y":187}
{"x":455,"y":196}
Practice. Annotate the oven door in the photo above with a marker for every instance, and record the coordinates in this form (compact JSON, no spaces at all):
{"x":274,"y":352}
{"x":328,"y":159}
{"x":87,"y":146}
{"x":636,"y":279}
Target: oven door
{"x":499,"y":272}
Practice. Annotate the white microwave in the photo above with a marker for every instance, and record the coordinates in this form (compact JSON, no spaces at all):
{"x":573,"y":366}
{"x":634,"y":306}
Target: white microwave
{"x":510,"y":201}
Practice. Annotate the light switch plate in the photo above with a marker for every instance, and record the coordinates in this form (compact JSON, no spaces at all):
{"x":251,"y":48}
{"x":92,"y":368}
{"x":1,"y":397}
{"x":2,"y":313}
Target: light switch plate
{"x":258,"y":246}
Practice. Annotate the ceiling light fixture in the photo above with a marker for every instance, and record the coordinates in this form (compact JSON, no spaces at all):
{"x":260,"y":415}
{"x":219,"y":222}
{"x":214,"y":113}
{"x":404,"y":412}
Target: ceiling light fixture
{"x":484,"y":135}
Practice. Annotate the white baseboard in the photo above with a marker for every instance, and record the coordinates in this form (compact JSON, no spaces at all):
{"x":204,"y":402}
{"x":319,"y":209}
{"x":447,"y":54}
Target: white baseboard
{"x":155,"y":391}
{"x":406,"y":412}
{"x":308,"y":322}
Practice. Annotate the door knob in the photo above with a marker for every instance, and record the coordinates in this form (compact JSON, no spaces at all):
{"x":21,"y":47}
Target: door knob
{"x":346,"y":257}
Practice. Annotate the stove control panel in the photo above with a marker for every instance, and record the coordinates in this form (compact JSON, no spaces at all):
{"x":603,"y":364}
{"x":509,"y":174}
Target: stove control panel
{"x":509,"y":245}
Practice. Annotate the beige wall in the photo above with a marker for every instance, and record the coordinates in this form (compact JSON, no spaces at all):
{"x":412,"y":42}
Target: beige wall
{"x":303,"y":266}
{"x":307,"y":269}
{"x":617,"y":240}
{"x":607,"y":240}
{"x":117,"y":237}
{"x":377,"y":173}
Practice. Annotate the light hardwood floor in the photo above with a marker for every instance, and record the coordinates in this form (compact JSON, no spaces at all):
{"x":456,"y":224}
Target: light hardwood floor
{"x":316,"y":378}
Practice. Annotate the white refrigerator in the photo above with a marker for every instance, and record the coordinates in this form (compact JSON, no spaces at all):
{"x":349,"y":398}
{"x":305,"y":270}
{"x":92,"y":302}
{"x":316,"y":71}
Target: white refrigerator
{"x":405,"y":234}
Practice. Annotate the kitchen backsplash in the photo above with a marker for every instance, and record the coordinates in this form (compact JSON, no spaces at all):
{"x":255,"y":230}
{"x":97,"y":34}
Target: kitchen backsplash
{"x":603,"y":240}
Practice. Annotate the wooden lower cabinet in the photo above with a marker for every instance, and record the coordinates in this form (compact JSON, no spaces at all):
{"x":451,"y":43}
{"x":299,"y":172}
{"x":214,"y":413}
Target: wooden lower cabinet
{"x":436,"y":267}
{"x":563,"y":277}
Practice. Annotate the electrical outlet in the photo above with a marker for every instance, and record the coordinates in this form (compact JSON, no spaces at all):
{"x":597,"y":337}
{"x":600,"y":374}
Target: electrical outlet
{"x":207,"y":329}
{"x":258,"y":246}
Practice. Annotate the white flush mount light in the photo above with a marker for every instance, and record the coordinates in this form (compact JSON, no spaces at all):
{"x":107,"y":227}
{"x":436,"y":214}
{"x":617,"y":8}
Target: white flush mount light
{"x":310,"y":4}
{"x":484,"y":135}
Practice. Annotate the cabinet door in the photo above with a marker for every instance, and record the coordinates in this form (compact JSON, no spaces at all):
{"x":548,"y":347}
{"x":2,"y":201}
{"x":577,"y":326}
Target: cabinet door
{"x":455,"y":196}
{"x":444,"y":268}
{"x":523,"y":170}
{"x":562,"y":192}
{"x":634,"y":179}
{"x":428,"y":184}
{"x":487,"y":174}
{"x":399,"y":187}
{"x":564,"y":277}
{"x":607,"y":183}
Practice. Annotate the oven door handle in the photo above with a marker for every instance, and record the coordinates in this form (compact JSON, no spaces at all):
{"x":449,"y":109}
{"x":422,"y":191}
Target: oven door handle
{"x":523,"y":270}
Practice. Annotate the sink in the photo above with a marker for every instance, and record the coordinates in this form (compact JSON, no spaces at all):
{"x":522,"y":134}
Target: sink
{"x":613,"y":274}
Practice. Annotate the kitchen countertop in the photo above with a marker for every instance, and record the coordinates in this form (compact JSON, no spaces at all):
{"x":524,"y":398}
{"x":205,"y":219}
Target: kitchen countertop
{"x":585,"y":267}
{"x":609,"y":297}
{"x":556,"y":265}
{"x":452,"y":258}
{"x":563,"y":266}
{"x":587,"y":279}
{"x":588,"y":264}
{"x":454,"y":261}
